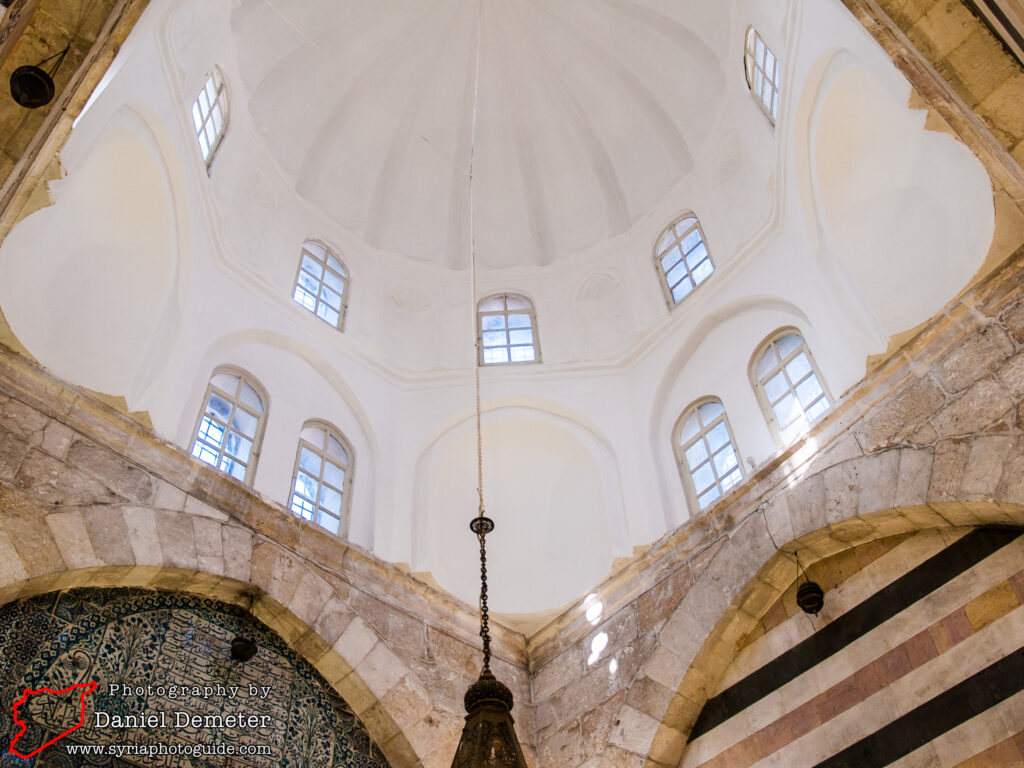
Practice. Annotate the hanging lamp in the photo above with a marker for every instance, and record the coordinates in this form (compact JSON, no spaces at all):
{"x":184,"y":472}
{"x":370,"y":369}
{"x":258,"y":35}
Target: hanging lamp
{"x":489,"y":736}
{"x":809,"y":595}
{"x":32,"y":86}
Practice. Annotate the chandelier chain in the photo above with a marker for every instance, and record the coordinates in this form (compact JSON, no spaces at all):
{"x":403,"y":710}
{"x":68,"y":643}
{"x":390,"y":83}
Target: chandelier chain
{"x":481,"y":525}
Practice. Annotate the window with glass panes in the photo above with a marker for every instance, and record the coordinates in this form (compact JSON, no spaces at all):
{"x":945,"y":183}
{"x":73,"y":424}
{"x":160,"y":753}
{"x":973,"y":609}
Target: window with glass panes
{"x":210,"y":115}
{"x":321,"y":284}
{"x":705,"y":451}
{"x":791,"y":391}
{"x":508,"y":331}
{"x":762,"y":70}
{"x":683,"y":259}
{"x":323,"y":466}
{"x":230,"y":427}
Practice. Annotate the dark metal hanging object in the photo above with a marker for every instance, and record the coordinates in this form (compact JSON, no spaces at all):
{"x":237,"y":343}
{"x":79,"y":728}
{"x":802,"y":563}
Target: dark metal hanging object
{"x":810,"y":597}
{"x":32,"y":86}
{"x":489,"y":737}
{"x":243,"y":649}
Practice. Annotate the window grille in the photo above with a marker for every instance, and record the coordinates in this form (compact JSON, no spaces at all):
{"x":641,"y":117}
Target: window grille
{"x":707,"y":457}
{"x":230,"y":426}
{"x":508,"y":330}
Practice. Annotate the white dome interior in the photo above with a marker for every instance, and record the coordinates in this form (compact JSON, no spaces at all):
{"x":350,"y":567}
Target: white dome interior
{"x":599,"y":124}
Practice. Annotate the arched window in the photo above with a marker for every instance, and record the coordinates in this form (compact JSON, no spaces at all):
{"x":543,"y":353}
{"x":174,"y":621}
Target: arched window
{"x":508,"y":330}
{"x":791,"y":391}
{"x":682,"y":258}
{"x":323,"y":477}
{"x":321,"y":285}
{"x":210,"y":115}
{"x":762,"y":70}
{"x":230,"y":426}
{"x":707,"y":459}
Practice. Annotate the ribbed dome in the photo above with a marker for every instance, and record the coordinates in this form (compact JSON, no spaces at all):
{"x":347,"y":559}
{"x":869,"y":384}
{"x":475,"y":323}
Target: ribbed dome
{"x":590,"y":111}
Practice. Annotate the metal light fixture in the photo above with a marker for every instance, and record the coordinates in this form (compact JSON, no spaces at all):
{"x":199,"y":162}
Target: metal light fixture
{"x":489,"y":736}
{"x":243,"y":649}
{"x":809,"y":595}
{"x":32,"y":86}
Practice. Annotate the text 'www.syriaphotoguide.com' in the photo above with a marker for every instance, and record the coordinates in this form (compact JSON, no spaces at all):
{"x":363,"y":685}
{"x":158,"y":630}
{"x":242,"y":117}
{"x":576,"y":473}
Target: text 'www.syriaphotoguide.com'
{"x":157,"y":750}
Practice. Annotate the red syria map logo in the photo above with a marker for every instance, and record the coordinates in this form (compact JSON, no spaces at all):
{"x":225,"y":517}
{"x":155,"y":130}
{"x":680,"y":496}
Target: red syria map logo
{"x":84,"y":688}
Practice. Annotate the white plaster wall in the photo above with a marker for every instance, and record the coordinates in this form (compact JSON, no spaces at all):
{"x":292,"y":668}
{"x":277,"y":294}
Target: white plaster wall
{"x":595,"y":418}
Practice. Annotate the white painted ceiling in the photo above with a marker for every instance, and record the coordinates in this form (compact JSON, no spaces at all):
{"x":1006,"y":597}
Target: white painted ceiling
{"x":589,"y":112}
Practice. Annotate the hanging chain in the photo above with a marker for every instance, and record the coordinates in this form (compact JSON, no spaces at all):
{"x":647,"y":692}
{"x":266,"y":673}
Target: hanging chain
{"x":481,"y":524}
{"x":484,"y":628}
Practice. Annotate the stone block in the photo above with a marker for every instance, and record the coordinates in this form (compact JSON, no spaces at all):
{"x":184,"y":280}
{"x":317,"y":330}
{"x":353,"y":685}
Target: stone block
{"x":878,"y":475}
{"x":984,"y":465}
{"x":632,"y":657}
{"x":980,"y":65}
{"x":665,"y":667}
{"x":843,"y":449}
{"x":57,"y":439}
{"x":115,"y":473}
{"x":614,"y":757}
{"x":901,"y":414}
{"x":209,"y":546}
{"x":1013,"y":321}
{"x":356,"y":641}
{"x":37,"y":550}
{"x":13,"y":451}
{"x":596,"y":724}
{"x":22,"y":420}
{"x":237,"y":549}
{"x":381,"y":669}
{"x":68,"y":529}
{"x":402,"y":631}
{"x":977,"y":356}
{"x":177,"y":539}
{"x":983,"y":404}
{"x":613,"y":634}
{"x":681,"y":714}
{"x":656,"y":604}
{"x":567,"y":666}
{"x":454,"y":653}
{"x":931,"y":21}
{"x":194,"y":506}
{"x":333,"y":619}
{"x":666,"y":746}
{"x":634,"y":731}
{"x":437,"y":733}
{"x":52,"y":482}
{"x":379,"y":723}
{"x":586,"y":692}
{"x":108,"y":535}
{"x":11,"y":569}
{"x":286,"y":574}
{"x":913,"y":476}
{"x":168,"y":497}
{"x":564,"y":747}
{"x":842,"y":490}
{"x":408,"y":702}
{"x":1011,"y":374}
{"x":948,"y":467}
{"x":806,"y":501}
{"x":650,"y":697}
{"x":310,"y":597}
